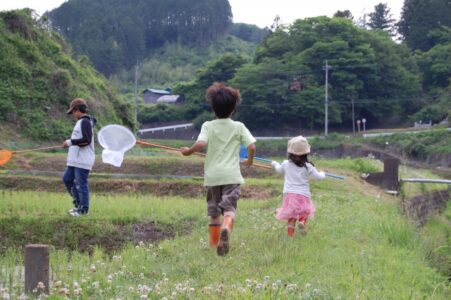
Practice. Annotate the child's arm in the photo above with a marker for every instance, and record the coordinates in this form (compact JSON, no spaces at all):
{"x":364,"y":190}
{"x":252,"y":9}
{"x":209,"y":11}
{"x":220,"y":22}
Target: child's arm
{"x":196,"y":147}
{"x":313,"y":172}
{"x":278,"y":167}
{"x":250,"y":155}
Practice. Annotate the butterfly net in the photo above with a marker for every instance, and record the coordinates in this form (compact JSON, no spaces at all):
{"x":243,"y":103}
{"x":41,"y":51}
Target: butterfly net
{"x":5,"y":156}
{"x":115,"y":141}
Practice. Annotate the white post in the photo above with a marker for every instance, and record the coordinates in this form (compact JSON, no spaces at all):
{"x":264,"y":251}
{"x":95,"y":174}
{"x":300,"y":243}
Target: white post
{"x":326,"y":100}
{"x":136,"y":94}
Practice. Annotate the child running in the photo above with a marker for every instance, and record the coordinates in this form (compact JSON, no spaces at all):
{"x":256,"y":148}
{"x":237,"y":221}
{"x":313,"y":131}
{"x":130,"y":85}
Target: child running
{"x":297,"y":204}
{"x":222,"y":177}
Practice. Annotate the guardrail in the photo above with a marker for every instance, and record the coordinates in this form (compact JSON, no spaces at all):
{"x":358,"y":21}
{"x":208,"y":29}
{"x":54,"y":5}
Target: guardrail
{"x":164,"y":128}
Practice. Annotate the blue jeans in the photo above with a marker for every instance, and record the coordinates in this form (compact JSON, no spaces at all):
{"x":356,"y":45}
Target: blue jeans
{"x":76,"y":181}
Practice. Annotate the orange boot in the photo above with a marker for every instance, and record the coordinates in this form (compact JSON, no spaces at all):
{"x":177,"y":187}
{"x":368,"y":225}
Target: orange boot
{"x":226,"y":229}
{"x":215,"y":229}
{"x":290,"y":227}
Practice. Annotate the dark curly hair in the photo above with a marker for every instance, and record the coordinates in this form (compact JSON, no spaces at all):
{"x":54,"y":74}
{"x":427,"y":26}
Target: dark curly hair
{"x":223,"y":99}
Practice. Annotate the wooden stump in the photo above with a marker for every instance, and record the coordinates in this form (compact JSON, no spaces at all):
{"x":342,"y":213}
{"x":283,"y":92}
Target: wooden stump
{"x":37,"y":268}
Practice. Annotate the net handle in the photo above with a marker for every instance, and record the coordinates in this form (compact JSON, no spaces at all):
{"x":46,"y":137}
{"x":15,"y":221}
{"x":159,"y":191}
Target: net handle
{"x":6,"y":155}
{"x":196,"y":153}
{"x":38,"y":149}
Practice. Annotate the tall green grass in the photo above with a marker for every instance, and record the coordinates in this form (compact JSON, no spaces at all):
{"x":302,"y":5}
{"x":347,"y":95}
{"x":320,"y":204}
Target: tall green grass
{"x":357,"y":247}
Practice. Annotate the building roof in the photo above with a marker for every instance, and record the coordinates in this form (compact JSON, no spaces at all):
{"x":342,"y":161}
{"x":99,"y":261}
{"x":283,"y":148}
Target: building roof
{"x":168,"y":99}
{"x":155,"y":91}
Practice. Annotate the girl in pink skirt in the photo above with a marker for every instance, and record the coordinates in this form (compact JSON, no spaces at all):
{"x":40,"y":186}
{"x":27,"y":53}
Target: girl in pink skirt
{"x":297,"y":170}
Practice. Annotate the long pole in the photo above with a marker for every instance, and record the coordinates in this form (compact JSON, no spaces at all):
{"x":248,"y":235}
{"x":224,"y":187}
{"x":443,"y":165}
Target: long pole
{"x":136,"y":93}
{"x":326,"y":100}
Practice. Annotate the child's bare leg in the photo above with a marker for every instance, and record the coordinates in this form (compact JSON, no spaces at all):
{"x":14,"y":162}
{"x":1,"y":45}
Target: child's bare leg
{"x":215,"y":228}
{"x":290,"y":226}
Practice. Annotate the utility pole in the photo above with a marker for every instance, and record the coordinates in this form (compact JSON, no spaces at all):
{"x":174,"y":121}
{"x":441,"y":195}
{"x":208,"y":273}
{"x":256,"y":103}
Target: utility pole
{"x":136,"y":94}
{"x":353,"y":116}
{"x":326,"y":68}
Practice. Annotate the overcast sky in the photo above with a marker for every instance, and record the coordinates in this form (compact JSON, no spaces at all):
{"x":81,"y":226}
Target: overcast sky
{"x":258,"y":12}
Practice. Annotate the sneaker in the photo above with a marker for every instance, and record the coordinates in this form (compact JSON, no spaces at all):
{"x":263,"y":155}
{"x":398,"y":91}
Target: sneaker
{"x":223,"y":246}
{"x":302,"y":228}
{"x":72,"y":210}
{"x":78,"y":214}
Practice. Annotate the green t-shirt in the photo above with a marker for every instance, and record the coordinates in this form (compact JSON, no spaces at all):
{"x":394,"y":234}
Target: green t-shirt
{"x":223,"y":138}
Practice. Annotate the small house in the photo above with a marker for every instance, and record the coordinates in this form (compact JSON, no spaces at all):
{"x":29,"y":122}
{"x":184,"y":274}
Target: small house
{"x":152,"y":95}
{"x":170,"y":99}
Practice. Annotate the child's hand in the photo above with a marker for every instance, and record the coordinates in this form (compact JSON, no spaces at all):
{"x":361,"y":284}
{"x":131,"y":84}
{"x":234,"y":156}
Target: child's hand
{"x":247,"y":162}
{"x":185,"y":151}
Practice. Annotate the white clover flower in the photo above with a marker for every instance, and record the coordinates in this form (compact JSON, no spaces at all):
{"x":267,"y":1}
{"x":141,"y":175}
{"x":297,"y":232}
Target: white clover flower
{"x":78,"y":291}
{"x":64,"y":291}
{"x":40,"y":285}
{"x":131,"y":289}
{"x":93,"y":268}
{"x":191,"y":290}
{"x":5,"y":296}
{"x":23,"y":297}
{"x":141,"y":243}
{"x":95,"y":284}
{"x":143,"y":297}
{"x":266,"y":278}
{"x":141,"y":275}
{"x":258,"y":286}
{"x":307,"y":285}
{"x":75,"y":285}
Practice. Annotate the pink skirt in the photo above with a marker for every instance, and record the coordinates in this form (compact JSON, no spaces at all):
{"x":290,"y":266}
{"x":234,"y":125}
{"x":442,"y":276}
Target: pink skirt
{"x":295,"y":206}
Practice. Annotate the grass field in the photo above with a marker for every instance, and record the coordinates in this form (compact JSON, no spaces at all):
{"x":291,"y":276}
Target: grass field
{"x":359,"y":246}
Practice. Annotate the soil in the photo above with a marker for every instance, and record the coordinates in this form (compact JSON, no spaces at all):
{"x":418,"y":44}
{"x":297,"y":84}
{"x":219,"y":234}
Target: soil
{"x":421,"y":207}
{"x":107,"y":186}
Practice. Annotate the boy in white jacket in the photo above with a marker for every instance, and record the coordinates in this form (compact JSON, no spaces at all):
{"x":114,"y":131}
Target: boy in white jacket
{"x":80,"y":158}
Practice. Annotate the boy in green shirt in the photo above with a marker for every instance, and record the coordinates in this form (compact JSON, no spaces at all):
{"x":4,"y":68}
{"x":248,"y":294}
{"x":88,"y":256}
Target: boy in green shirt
{"x":223,"y":138}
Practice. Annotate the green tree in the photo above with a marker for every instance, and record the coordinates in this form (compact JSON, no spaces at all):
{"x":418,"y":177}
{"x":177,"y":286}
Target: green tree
{"x":344,"y":14}
{"x":381,"y":18}
{"x":116,"y":34}
{"x":419,"y":18}
{"x":369,"y":69}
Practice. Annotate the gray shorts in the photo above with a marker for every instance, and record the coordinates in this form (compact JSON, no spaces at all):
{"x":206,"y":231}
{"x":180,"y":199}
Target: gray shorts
{"x":222,"y":198}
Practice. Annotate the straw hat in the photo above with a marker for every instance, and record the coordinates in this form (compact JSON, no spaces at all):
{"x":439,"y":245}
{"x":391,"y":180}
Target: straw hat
{"x":298,"y":146}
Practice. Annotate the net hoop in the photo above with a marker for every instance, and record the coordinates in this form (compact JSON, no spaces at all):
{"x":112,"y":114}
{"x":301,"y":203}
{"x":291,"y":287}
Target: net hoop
{"x":115,"y":140}
{"x":5,"y":156}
